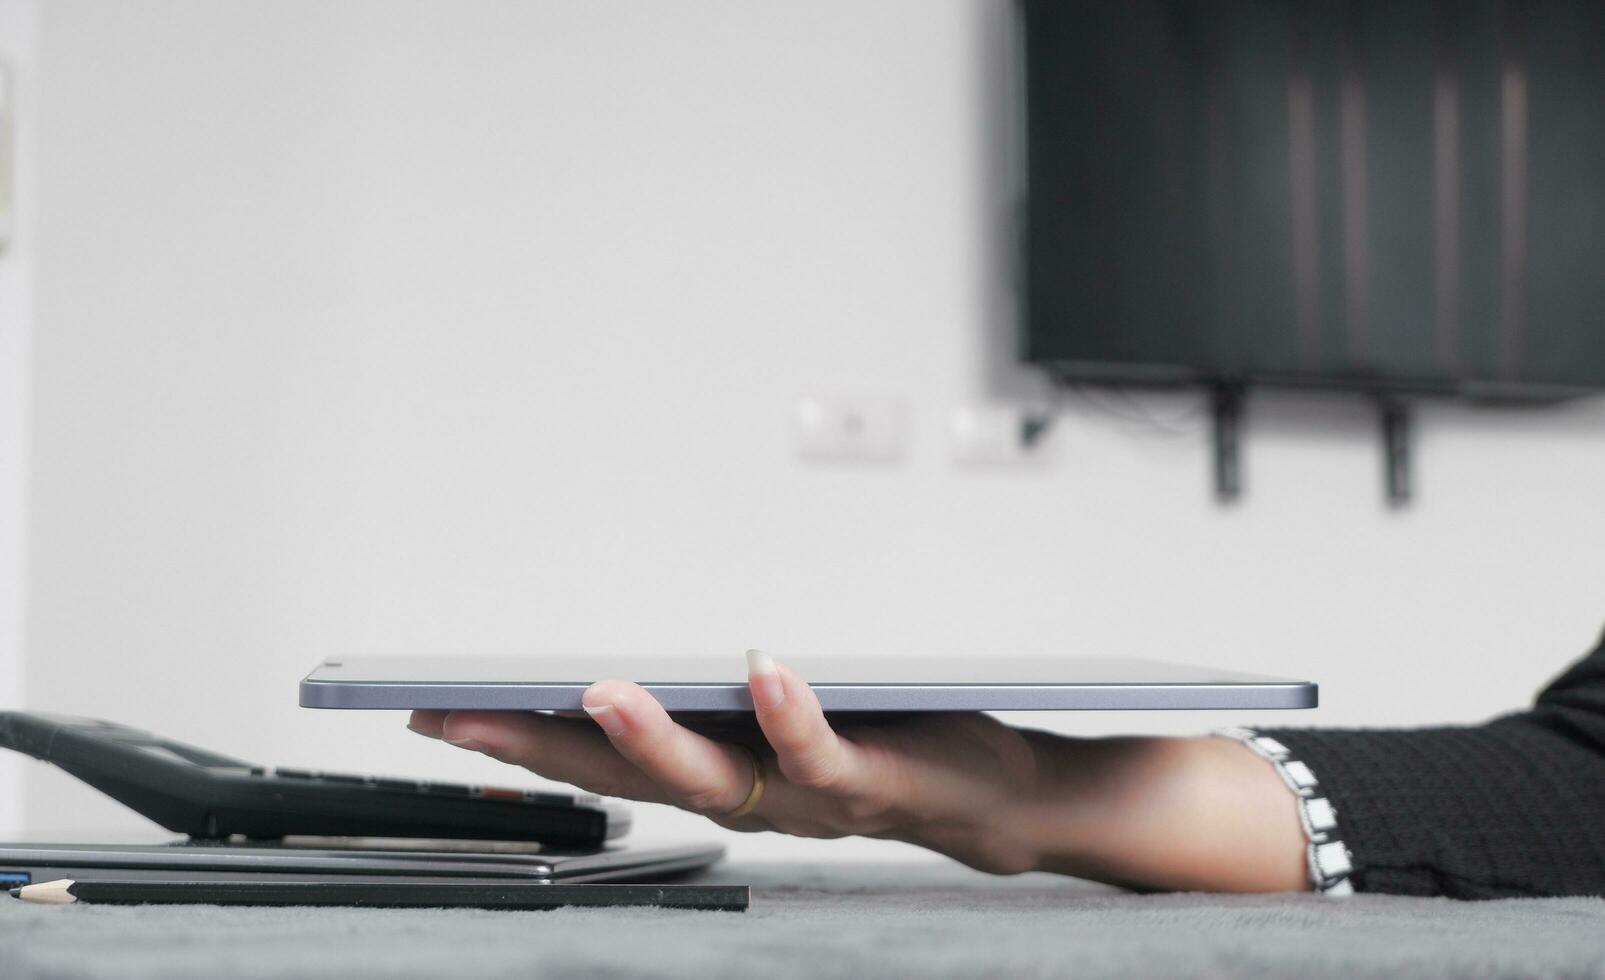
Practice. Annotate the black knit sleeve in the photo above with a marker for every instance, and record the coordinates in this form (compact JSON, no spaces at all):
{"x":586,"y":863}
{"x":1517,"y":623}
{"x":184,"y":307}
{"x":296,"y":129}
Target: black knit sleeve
{"x":1512,"y":807}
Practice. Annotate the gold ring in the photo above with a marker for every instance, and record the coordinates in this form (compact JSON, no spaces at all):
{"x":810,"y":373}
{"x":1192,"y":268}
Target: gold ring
{"x":751,"y":802}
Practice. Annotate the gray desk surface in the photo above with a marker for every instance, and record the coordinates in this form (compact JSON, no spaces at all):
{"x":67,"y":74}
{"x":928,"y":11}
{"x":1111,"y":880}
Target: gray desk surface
{"x":832,"y":920}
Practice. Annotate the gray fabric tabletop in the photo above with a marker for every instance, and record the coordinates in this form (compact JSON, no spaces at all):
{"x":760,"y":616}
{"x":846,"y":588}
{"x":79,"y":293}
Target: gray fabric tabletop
{"x":843,"y":920}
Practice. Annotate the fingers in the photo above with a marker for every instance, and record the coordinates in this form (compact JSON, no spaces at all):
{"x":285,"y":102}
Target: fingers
{"x":636,"y":750}
{"x":566,"y":750}
{"x":698,"y":773}
{"x":427,"y":723}
{"x":807,"y":751}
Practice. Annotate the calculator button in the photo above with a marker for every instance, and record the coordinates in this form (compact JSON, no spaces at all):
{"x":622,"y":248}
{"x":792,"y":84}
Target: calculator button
{"x":336,"y":777}
{"x":550,"y":799}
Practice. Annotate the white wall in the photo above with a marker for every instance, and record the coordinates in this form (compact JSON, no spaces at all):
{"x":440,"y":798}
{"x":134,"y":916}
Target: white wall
{"x":18,"y":56}
{"x":475,"y":326}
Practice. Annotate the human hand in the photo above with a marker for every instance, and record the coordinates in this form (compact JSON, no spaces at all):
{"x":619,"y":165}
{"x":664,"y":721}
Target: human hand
{"x":960,"y":784}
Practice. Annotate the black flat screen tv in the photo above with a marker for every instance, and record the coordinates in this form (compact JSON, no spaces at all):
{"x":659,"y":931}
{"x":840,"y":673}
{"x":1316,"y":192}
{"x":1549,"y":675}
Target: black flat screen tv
{"x":1392,"y":195}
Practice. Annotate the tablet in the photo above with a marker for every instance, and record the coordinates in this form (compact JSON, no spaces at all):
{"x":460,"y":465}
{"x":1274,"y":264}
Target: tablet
{"x":978,"y":683}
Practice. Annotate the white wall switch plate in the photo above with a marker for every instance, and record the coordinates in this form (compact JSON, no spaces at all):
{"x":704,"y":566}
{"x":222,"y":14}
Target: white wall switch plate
{"x":850,"y":427}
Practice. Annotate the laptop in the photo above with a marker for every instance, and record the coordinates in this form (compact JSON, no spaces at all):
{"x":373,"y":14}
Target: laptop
{"x":330,"y":859}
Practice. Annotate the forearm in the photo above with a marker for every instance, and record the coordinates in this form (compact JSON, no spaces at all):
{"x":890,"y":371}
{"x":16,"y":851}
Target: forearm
{"x":1164,"y":813}
{"x":1512,"y":807}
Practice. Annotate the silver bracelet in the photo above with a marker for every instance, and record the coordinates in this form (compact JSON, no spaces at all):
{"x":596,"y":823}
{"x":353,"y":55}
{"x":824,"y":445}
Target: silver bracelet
{"x":1330,"y":863}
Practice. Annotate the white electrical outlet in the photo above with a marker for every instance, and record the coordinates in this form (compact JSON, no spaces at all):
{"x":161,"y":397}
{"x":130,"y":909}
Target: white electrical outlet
{"x":850,"y":427}
{"x":989,"y":435}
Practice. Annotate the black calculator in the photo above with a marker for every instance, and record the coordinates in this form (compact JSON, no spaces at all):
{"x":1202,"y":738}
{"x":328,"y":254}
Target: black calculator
{"x":213,"y":797}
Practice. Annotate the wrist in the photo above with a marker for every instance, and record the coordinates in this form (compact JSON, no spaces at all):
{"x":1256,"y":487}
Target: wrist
{"x":989,"y":819}
{"x":1077,"y":818}
{"x":1023,"y":826}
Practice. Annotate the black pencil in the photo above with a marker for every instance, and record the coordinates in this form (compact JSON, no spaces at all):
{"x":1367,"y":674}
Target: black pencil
{"x":383,"y":895}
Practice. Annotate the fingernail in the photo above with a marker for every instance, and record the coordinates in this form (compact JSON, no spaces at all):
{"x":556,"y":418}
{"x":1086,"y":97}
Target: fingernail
{"x":607,"y":716}
{"x":764,"y":679}
{"x":471,"y":744}
{"x":420,"y":731}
